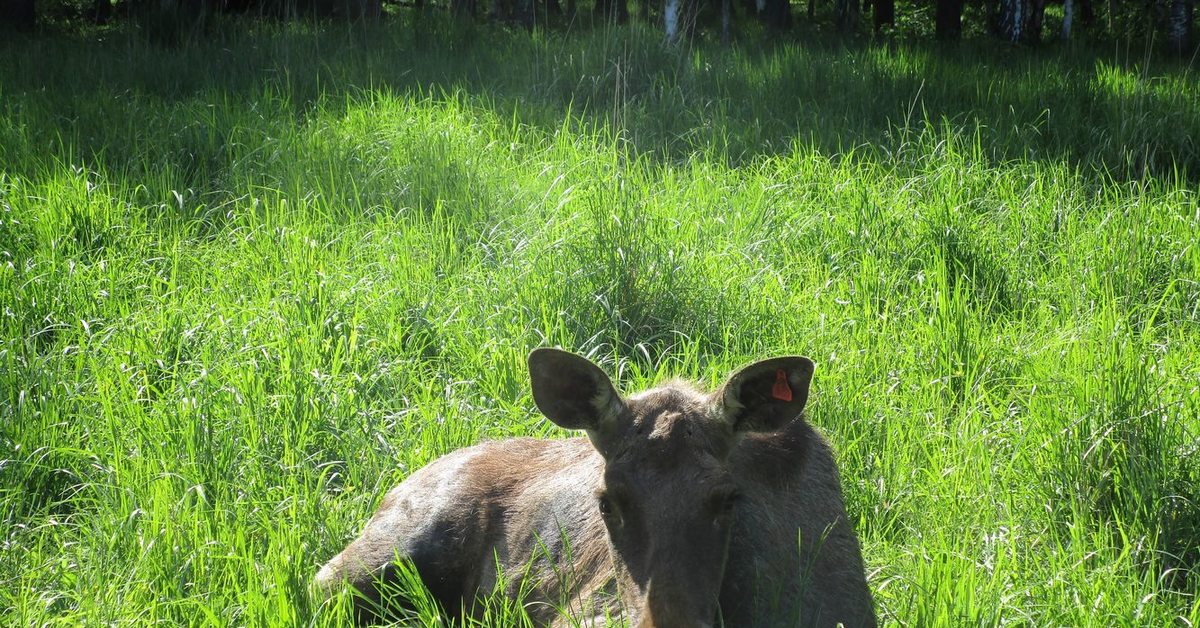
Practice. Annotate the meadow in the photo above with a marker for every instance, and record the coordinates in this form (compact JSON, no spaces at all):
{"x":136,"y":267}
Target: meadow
{"x":250,"y":280}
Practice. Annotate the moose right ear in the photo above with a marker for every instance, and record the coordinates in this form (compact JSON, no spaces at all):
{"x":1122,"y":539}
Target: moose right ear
{"x":766,"y":395}
{"x":572,"y":392}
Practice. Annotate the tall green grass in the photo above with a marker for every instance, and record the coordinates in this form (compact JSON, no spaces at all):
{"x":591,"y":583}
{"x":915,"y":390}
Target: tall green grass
{"x":250,"y":282}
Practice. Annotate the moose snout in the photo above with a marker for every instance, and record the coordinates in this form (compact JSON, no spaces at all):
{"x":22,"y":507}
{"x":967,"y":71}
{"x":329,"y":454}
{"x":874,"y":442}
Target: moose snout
{"x":648,"y":621}
{"x":675,"y":607}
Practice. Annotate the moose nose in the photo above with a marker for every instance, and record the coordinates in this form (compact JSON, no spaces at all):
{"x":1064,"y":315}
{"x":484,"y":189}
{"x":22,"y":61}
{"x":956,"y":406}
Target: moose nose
{"x":648,"y":621}
{"x":661,"y":609}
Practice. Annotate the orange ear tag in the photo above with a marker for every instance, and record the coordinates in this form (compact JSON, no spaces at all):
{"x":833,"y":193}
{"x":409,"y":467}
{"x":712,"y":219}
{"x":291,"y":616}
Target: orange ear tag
{"x":781,"y":390}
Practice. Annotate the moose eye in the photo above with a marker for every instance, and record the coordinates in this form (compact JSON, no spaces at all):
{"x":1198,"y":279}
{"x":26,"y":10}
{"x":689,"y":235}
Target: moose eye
{"x":607,"y":509}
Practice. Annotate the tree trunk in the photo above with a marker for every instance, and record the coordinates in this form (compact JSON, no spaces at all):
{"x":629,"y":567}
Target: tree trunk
{"x":1068,"y":18}
{"x":885,"y":13}
{"x":1179,"y":25}
{"x":671,"y":20}
{"x":612,"y":10}
{"x":363,"y":9}
{"x":948,"y":19}
{"x":777,"y":14}
{"x":1085,"y":13}
{"x":20,"y":13}
{"x":463,"y":8}
{"x":1021,"y":20}
{"x":726,"y":19}
{"x":1016,"y":19}
{"x":1036,"y":12}
{"x":617,"y":10}
{"x":101,"y":11}
{"x":846,"y":12}
{"x":524,"y":12}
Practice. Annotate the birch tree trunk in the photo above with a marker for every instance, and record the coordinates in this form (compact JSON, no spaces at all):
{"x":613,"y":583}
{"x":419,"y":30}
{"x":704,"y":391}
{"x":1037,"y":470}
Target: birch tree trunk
{"x":1020,"y":20}
{"x":671,"y":20}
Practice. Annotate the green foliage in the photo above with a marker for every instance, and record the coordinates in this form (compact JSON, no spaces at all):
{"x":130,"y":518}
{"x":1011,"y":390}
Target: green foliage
{"x":250,"y":282}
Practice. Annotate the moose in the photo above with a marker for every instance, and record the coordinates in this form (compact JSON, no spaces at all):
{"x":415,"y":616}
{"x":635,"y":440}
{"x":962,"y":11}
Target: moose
{"x":679,"y":509}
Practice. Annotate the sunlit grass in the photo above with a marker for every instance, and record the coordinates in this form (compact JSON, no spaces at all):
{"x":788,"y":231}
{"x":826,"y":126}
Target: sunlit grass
{"x":248,"y":285}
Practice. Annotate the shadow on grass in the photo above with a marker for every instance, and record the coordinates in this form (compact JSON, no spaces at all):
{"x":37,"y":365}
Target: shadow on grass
{"x":1100,"y":111}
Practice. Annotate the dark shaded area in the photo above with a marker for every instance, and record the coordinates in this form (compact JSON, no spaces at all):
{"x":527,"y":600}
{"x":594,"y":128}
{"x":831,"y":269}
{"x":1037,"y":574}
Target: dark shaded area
{"x":948,"y":19}
{"x":37,"y":484}
{"x":1095,"y":110}
{"x":1169,"y":24}
{"x":18,"y":13}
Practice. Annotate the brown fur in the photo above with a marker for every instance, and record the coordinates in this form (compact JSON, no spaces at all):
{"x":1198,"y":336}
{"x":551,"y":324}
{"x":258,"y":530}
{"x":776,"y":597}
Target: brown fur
{"x":679,"y":508}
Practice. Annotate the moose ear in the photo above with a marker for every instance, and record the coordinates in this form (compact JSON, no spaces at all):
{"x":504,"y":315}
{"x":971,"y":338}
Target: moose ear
{"x":766,"y":395}
{"x":572,"y":392}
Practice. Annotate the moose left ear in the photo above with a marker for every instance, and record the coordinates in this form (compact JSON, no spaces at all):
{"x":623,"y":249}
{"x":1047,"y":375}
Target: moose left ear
{"x":766,"y":395}
{"x":573,"y":392}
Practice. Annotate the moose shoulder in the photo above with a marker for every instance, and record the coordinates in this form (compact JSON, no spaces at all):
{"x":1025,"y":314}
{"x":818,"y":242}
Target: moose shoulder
{"x":680,"y":509}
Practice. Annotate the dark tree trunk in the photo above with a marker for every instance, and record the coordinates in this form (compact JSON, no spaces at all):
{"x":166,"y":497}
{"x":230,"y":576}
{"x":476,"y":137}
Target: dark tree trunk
{"x":101,"y":11}
{"x":726,"y":21}
{"x":524,"y":10}
{"x":194,"y":9}
{"x":363,"y":9}
{"x":1037,"y":17}
{"x":885,"y":13}
{"x":613,"y":10}
{"x":1008,"y":19}
{"x":689,"y":17}
{"x":846,"y":12}
{"x":1085,"y":13}
{"x":20,"y":13}
{"x":948,"y":19}
{"x":1179,"y":25}
{"x":464,"y":8}
{"x":777,"y":14}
